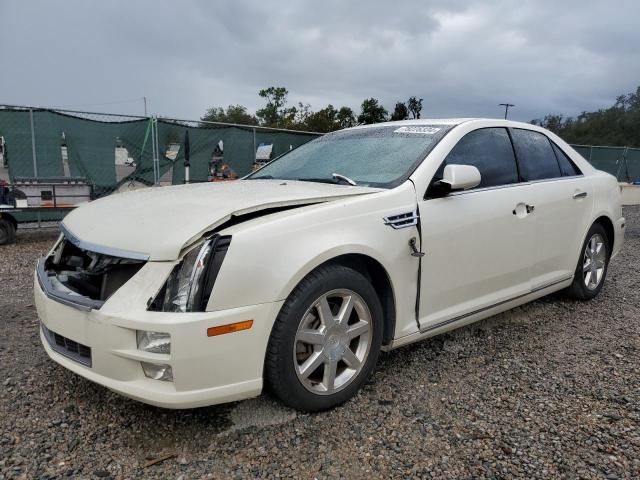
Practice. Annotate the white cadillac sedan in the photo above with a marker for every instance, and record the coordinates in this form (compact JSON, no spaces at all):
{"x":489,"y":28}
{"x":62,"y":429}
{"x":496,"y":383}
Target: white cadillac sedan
{"x":296,"y":277}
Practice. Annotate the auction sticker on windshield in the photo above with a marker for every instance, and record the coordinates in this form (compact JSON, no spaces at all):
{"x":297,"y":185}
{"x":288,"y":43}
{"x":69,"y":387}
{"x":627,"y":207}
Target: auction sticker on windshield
{"x":418,"y":130}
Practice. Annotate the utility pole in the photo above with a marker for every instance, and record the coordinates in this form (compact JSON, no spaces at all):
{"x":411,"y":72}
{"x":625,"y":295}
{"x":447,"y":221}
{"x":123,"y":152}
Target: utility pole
{"x":145,"y":106}
{"x":506,"y":108}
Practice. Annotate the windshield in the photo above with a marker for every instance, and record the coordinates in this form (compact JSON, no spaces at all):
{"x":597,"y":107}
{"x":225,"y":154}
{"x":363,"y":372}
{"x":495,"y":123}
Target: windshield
{"x":376,"y":156}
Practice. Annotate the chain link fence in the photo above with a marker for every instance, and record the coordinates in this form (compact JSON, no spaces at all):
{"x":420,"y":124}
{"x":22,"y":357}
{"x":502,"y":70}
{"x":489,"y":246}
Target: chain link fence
{"x":107,"y":153}
{"x":112,"y":151}
{"x":622,"y":162}
{"x":96,"y":154}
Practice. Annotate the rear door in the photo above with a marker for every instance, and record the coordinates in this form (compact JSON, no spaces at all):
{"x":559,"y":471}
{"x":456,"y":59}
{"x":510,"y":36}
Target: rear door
{"x":562,"y":199}
{"x":478,"y":243}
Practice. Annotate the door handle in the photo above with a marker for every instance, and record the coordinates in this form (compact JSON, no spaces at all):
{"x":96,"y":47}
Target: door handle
{"x":578,"y":195}
{"x":523,"y":209}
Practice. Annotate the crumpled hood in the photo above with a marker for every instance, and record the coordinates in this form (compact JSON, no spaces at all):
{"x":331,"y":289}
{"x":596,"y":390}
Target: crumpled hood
{"x":159,"y":222}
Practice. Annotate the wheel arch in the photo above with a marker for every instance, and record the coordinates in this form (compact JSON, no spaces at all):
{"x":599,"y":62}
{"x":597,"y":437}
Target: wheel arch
{"x":380,"y":279}
{"x":607,"y":224}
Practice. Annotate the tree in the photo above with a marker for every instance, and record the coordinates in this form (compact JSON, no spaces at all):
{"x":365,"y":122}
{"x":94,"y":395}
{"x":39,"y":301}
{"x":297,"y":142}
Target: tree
{"x":274,"y":113}
{"x":415,"y":106}
{"x":372,"y":112}
{"x":324,"y":120}
{"x":345,"y":118}
{"x":400,"y":112}
{"x":234,"y":114}
{"x":618,"y":125}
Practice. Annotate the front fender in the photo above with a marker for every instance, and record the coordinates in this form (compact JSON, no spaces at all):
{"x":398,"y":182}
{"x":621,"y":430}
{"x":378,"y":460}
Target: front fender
{"x":269,"y":257}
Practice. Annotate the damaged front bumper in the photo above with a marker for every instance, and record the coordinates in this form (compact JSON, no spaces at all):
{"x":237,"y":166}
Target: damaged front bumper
{"x":100,"y":343}
{"x":64,"y":296}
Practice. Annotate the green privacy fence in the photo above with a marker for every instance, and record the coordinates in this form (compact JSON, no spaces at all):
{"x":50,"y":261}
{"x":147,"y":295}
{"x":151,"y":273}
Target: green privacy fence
{"x":622,"y":162}
{"x":118,"y":152}
{"x":114,"y":151}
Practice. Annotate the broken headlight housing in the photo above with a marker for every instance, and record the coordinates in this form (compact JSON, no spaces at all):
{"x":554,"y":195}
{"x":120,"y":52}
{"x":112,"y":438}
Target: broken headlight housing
{"x":189,"y":285}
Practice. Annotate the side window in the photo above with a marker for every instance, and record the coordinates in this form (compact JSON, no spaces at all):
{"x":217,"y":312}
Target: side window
{"x":567,"y":167}
{"x":536,"y":158}
{"x":490,"y":151}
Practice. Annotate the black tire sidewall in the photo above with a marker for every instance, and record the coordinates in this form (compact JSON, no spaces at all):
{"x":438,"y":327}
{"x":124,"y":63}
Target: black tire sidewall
{"x":281,"y":375}
{"x":7,"y":231}
{"x":578,"y":288}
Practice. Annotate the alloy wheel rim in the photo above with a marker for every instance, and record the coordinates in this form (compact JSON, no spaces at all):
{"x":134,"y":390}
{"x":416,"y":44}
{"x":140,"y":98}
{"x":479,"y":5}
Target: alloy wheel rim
{"x":332,"y":342}
{"x":594,"y":261}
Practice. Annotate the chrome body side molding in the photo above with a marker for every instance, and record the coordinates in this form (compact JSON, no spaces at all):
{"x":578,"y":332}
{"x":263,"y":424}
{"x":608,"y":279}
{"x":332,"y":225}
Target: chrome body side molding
{"x":489,"y":307}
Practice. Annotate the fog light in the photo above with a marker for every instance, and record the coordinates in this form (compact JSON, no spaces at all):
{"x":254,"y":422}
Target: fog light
{"x":158,"y":371}
{"x":153,"y":342}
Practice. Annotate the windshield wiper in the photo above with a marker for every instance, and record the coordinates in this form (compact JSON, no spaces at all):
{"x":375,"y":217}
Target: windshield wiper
{"x":332,"y":181}
{"x":344,"y":178}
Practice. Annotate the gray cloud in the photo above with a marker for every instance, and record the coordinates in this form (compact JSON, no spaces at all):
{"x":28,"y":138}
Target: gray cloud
{"x":462,"y":57}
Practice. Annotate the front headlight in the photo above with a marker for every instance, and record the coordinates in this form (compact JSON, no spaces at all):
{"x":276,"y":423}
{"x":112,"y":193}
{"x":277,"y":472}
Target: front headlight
{"x":184,"y":282}
{"x":190,"y":283}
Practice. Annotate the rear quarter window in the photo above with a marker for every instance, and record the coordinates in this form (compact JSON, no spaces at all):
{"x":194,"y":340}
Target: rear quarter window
{"x":567,"y":167}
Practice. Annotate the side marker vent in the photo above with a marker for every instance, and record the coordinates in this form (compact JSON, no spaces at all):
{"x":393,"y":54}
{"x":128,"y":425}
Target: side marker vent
{"x":402,"y":220}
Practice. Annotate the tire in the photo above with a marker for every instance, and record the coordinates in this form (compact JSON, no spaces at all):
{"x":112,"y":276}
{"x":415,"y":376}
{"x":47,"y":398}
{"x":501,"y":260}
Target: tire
{"x":318,"y":355}
{"x":7,"y":231}
{"x":590,"y":275}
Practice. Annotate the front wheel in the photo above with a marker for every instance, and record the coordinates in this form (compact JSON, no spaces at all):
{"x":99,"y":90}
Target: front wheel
{"x":325,"y":341}
{"x":591,"y":270}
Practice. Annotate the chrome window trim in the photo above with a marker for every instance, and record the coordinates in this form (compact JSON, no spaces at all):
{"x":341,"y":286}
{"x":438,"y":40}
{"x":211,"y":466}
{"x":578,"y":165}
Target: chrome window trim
{"x":508,"y":185}
{"x":92,"y":247}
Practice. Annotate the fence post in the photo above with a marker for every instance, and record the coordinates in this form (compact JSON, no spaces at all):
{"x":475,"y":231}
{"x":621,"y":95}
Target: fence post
{"x":35,"y":158}
{"x":626,"y":165}
{"x":33,"y":144}
{"x":155,"y":127}
{"x":253,"y":160}
{"x":153,"y":150}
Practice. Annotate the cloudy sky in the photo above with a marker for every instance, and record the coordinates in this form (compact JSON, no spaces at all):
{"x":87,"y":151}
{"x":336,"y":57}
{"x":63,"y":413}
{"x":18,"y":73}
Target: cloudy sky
{"x":461,"y":57}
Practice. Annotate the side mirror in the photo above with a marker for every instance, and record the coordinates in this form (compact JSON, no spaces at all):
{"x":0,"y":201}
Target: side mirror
{"x":460,"y":177}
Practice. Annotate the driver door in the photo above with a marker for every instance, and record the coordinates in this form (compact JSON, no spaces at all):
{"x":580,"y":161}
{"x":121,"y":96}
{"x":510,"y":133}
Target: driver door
{"x":478,"y":242}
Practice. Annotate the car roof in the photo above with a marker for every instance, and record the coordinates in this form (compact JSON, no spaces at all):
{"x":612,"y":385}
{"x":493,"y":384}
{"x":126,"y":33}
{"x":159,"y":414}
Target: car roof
{"x":449,"y":122}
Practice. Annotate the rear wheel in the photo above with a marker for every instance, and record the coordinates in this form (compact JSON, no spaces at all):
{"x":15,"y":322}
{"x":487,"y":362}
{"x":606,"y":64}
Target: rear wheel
{"x":325,"y":341}
{"x":591,"y":270}
{"x":7,"y":231}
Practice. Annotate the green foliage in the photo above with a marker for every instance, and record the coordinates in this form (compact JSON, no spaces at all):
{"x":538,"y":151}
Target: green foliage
{"x":345,"y":118}
{"x":415,"y":106}
{"x":276,"y":114}
{"x":618,"y":125}
{"x":234,"y":114}
{"x":400,"y":112}
{"x":372,"y":112}
{"x":329,"y":119}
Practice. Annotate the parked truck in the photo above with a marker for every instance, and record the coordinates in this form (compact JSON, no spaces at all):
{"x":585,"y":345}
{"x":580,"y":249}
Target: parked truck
{"x":37,"y":195}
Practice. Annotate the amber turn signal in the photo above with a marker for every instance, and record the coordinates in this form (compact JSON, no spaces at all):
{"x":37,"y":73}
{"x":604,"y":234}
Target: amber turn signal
{"x":230,"y":328}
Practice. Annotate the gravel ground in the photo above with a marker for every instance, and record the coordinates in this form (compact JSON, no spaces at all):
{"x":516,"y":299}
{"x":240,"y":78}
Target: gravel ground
{"x":548,"y":390}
